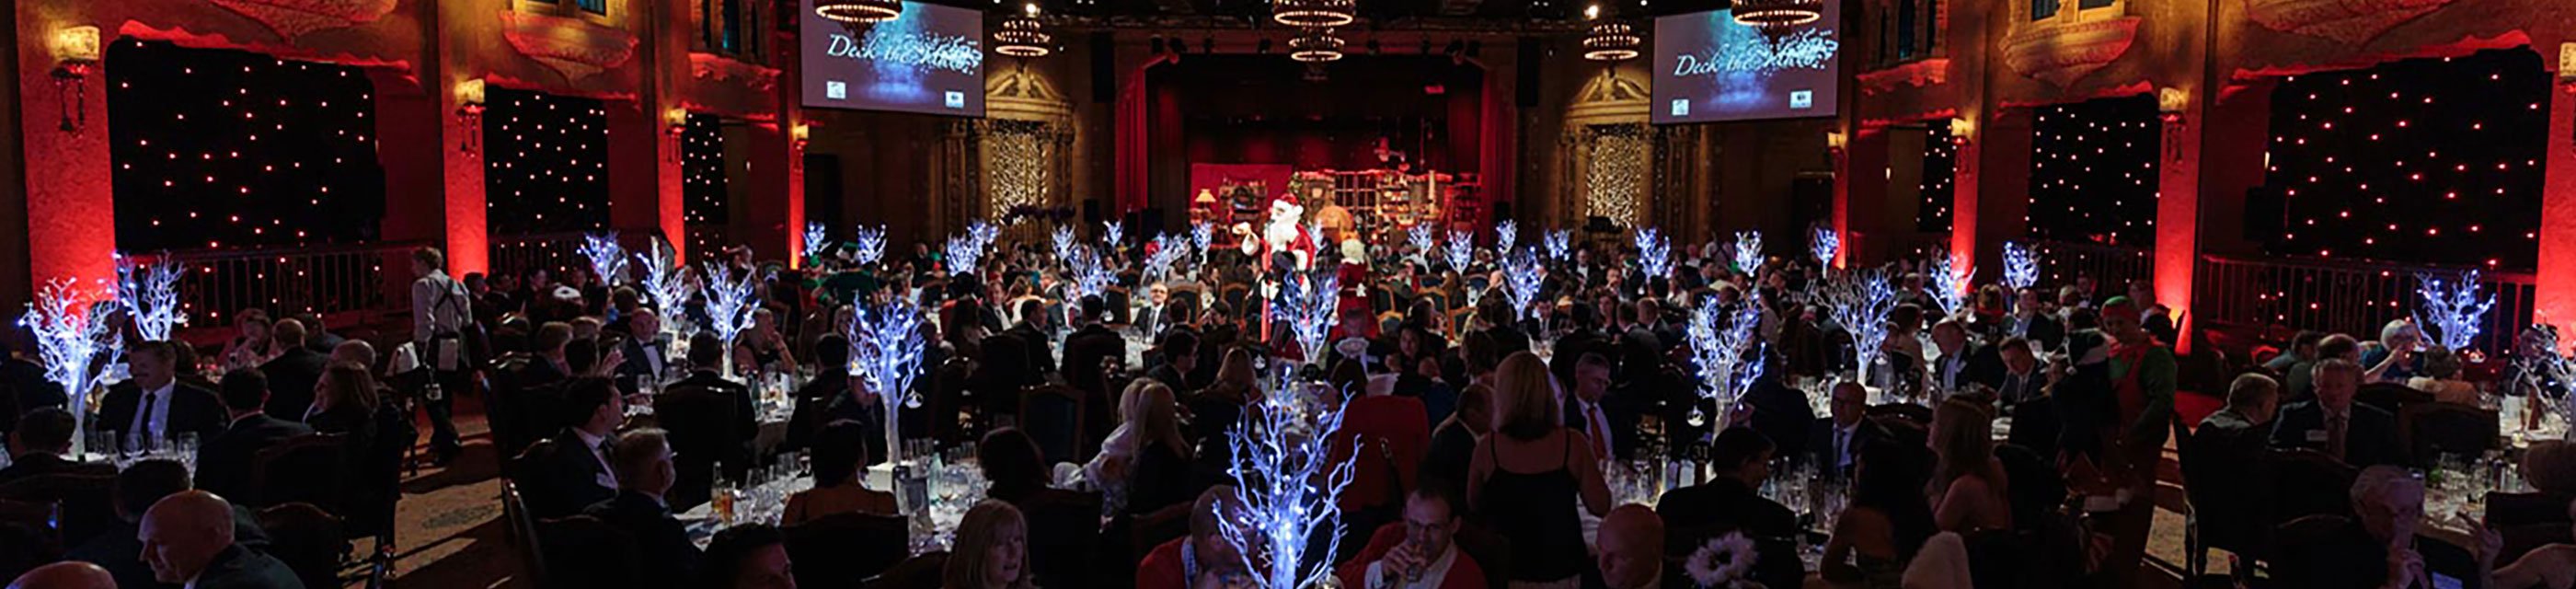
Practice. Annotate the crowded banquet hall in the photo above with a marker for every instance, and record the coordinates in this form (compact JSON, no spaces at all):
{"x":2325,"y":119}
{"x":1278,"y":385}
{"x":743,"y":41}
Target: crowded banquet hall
{"x":1288,"y":294}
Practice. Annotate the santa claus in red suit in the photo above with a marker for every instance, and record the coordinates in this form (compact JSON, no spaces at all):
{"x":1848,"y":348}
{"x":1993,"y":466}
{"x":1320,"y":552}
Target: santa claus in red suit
{"x":1284,"y":233}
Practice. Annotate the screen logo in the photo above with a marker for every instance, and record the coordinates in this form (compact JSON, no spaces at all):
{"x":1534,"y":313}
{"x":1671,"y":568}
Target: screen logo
{"x":1802,"y":99}
{"x":836,"y":90}
{"x":955,"y":99}
{"x":1681,"y":107}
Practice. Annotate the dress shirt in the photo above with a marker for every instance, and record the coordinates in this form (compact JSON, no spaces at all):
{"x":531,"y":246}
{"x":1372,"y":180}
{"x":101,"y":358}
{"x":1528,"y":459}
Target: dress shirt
{"x":439,"y":305}
{"x":1597,"y":428}
{"x":1432,"y":573}
{"x":152,"y":419}
{"x":2013,"y":384}
{"x":653,"y":356}
{"x":1842,"y":445}
{"x":1951,"y":365}
{"x":607,"y":472}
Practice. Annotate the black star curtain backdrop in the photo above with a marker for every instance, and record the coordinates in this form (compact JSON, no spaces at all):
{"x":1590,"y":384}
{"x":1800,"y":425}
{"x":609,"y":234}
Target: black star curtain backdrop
{"x":2423,"y":160}
{"x":702,"y":183}
{"x":1939,"y":190}
{"x":2093,"y":172}
{"x":545,"y":163}
{"x":228,"y":149}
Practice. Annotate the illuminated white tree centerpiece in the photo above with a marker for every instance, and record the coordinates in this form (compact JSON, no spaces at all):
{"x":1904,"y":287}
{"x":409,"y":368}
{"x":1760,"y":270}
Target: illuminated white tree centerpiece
{"x":2451,"y":311}
{"x":885,"y":355}
{"x":75,"y":342}
{"x":1287,"y":486}
{"x":149,"y":294}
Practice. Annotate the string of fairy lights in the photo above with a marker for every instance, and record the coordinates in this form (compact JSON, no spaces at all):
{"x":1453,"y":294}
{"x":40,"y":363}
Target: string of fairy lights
{"x":1938,"y":187}
{"x":2423,"y":160}
{"x":706,"y":208}
{"x":545,"y":164}
{"x":227,"y":149}
{"x":2093,"y":171}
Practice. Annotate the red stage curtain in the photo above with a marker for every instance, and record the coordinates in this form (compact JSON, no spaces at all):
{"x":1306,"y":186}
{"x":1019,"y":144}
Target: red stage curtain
{"x":1133,"y":138}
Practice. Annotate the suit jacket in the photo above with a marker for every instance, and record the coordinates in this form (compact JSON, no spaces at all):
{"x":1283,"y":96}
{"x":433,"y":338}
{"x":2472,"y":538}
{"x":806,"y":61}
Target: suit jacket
{"x":665,"y":555}
{"x":1820,"y":441}
{"x":2041,"y":328}
{"x":1693,"y":515}
{"x":2370,"y":438}
{"x":711,"y":422}
{"x":242,"y":568}
{"x":1041,"y":350}
{"x":192,"y":409}
{"x":562,"y":477}
{"x":1620,"y":418}
{"x":1463,"y":570}
{"x":291,"y":377}
{"x":639,"y":366}
{"x":40,"y":463}
{"x":1452,"y":448}
{"x":1083,"y":353}
{"x":225,"y":463}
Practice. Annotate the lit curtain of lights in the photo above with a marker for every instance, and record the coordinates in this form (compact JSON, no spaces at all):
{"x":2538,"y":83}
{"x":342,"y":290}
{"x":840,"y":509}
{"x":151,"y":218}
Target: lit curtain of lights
{"x":230,"y":149}
{"x":1938,"y":189}
{"x":1023,"y":164}
{"x":2093,"y":172}
{"x":545,"y":164}
{"x":706,"y":201}
{"x":2424,"y":160}
{"x":1615,"y":172}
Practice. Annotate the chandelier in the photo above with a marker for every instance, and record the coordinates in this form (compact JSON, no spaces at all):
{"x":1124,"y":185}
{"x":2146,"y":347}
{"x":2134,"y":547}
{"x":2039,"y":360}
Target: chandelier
{"x":1316,"y":46}
{"x":1775,"y":16}
{"x":1313,"y":13}
{"x":1023,"y":35}
{"x":1611,"y":40}
{"x":859,"y":11}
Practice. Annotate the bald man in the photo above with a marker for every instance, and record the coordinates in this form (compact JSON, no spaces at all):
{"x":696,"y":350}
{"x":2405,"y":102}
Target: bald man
{"x":1631,"y":542}
{"x":188,"y":539}
{"x":65,"y":575}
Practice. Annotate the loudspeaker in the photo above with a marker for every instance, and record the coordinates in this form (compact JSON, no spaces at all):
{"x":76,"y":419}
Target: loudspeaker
{"x":1091,"y":211}
{"x":1525,"y":84}
{"x":1104,"y":68}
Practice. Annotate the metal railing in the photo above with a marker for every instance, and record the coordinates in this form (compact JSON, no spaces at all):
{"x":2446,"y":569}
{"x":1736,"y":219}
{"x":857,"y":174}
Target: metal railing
{"x":328,"y":279}
{"x":2347,"y":297}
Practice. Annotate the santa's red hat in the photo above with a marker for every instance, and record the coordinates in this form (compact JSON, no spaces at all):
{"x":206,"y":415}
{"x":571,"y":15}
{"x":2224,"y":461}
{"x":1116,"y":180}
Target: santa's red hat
{"x":1286,"y":199}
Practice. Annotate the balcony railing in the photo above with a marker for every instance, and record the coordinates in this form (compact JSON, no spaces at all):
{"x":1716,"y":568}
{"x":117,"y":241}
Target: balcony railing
{"x":328,"y":279}
{"x":2348,"y":297}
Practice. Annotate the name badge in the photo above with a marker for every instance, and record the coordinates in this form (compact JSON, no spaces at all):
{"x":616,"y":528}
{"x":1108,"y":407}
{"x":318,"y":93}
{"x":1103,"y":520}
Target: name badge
{"x":2317,"y":435}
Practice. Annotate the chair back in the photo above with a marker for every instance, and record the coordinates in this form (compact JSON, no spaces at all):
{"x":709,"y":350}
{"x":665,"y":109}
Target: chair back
{"x":305,"y":468}
{"x":2520,"y":539}
{"x":1918,"y":414}
{"x":1053,"y":415}
{"x":2307,"y":482}
{"x":84,"y":496}
{"x":1063,"y":536}
{"x":844,"y":550}
{"x":522,"y":530}
{"x":701,"y":424}
{"x":2217,"y":477}
{"x":1153,"y":529}
{"x":1115,"y":299}
{"x":582,"y":552}
{"x":2528,"y":508}
{"x":2433,"y":429}
{"x":2390,"y":396}
{"x":308,"y":539}
{"x":27,"y":538}
{"x":948,"y":395}
{"x":919,"y":572}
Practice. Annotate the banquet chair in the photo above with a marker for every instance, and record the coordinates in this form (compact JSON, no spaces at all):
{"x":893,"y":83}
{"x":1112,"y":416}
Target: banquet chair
{"x":919,"y":572}
{"x":947,"y":396}
{"x":1053,"y":415}
{"x":1233,"y":295}
{"x":2218,"y":473}
{"x":1116,"y":299}
{"x":84,"y":496}
{"x":702,"y":425}
{"x":582,"y":552}
{"x":2520,"y":539}
{"x":306,"y":468}
{"x":2304,"y":483}
{"x":27,"y":540}
{"x":1149,"y":530}
{"x":2433,"y":429}
{"x":843,"y":550}
{"x":2390,"y":397}
{"x":308,"y":539}
{"x":1063,"y":535}
{"x":2528,"y":508}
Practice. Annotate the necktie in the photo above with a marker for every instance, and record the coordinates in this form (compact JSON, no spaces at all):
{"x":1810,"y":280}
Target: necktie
{"x":1600,"y":437}
{"x":2335,"y":427}
{"x":143,"y":426}
{"x":608,"y":453}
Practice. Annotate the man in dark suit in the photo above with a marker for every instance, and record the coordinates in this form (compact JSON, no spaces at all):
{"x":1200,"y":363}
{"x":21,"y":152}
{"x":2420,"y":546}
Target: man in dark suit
{"x":23,"y":387}
{"x":647,"y":356}
{"x":225,"y":463}
{"x":710,"y":423}
{"x":1836,"y":440}
{"x":1453,"y":444}
{"x":2021,"y":386}
{"x":1180,"y":352}
{"x":1611,"y":427}
{"x":2031,"y":320}
{"x":2359,"y":435}
{"x":39,"y":444}
{"x":665,"y":555}
{"x":1090,"y":346}
{"x":154,"y":405}
{"x":1732,"y":502}
{"x":318,"y":337}
{"x":292,"y":375}
{"x":575,"y":472}
{"x":1033,"y":315}
{"x":188,"y":538}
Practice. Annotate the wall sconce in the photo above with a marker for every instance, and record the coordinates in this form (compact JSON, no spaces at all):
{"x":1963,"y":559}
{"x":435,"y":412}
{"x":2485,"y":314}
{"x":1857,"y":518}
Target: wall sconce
{"x":1836,"y":142}
{"x":75,"y":52}
{"x":2171,"y":103}
{"x":469,"y":113}
{"x":2567,"y":66}
{"x":1962,"y":130}
{"x":798,"y":137}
